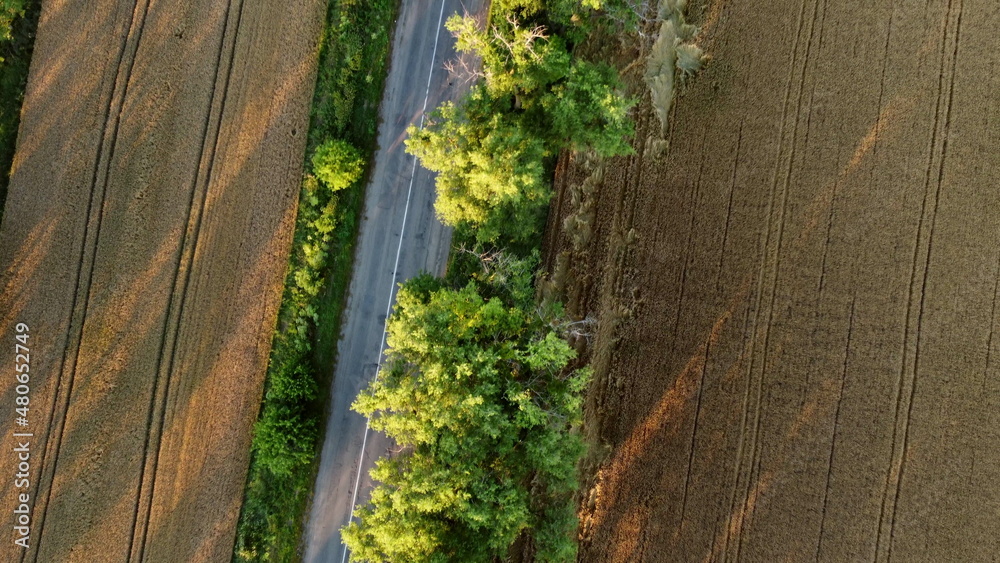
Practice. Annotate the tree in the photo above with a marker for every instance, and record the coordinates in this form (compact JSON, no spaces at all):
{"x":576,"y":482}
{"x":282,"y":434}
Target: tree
{"x":337,"y":164}
{"x":490,"y":169}
{"x":562,"y":100}
{"x":284,"y":438}
{"x":568,"y":15}
{"x":10,"y":11}
{"x":490,"y":150}
{"x":586,"y":112}
{"x":475,"y":392}
{"x":518,"y":61}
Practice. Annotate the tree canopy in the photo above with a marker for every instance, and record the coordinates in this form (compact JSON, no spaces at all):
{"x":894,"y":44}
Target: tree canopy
{"x":492,"y":149}
{"x":476,"y":388}
{"x":490,"y":169}
{"x":475,"y":392}
{"x":337,"y":164}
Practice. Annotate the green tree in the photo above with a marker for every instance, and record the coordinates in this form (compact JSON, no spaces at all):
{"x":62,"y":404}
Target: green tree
{"x":519,"y":61}
{"x":569,"y":16}
{"x":475,"y":391}
{"x":490,"y":168}
{"x":10,"y":10}
{"x":562,"y":101}
{"x":490,"y":150}
{"x":284,"y":438}
{"x":586,"y":112}
{"x":337,"y":164}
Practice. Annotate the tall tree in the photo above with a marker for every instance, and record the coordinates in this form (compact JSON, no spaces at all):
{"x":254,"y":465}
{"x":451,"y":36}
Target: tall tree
{"x":490,"y":169}
{"x":475,"y":392}
{"x":491,"y":149}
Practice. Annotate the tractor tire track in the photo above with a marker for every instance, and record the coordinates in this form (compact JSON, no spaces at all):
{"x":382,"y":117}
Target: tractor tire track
{"x":67,"y":372}
{"x":185,"y":264}
{"x":186,"y":228}
{"x":899,"y":460}
{"x":842,"y":261}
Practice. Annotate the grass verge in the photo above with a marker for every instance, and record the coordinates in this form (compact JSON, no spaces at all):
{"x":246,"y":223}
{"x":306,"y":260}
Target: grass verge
{"x":18,"y":21}
{"x":352,"y":68}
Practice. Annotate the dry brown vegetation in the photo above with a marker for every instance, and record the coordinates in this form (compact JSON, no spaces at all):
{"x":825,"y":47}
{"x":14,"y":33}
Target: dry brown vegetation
{"x":144,"y":242}
{"x":796,"y":298}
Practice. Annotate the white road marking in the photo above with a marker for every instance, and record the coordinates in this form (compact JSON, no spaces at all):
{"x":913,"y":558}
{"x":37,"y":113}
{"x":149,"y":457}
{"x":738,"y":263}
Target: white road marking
{"x":395,"y":271}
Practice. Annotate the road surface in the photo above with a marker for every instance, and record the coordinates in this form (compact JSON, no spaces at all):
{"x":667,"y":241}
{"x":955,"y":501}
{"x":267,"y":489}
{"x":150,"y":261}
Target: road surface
{"x":400,"y":237}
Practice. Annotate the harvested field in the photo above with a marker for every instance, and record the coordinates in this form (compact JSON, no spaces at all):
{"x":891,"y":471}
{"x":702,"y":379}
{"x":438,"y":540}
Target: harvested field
{"x":796,"y":351}
{"x":144,"y":243}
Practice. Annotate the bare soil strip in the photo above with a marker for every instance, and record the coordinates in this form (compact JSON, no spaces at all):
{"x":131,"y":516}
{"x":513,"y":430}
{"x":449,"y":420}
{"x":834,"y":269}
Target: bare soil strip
{"x":144,"y":242}
{"x":796,"y":354}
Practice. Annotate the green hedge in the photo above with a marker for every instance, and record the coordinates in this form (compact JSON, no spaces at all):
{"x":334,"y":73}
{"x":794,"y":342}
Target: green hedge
{"x":353,"y":62}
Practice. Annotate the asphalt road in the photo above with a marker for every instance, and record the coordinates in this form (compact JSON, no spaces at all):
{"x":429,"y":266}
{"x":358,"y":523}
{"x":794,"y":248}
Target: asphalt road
{"x":399,"y":238}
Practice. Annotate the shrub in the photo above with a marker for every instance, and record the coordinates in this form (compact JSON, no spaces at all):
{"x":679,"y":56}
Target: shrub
{"x":284,"y":438}
{"x":674,"y":56}
{"x":337,"y":164}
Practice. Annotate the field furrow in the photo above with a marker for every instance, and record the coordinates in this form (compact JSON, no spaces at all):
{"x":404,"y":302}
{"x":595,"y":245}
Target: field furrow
{"x":795,"y":355}
{"x":145,"y":241}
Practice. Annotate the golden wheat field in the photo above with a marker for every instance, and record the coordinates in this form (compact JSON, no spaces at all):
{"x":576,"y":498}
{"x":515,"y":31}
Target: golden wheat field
{"x":794,"y":292}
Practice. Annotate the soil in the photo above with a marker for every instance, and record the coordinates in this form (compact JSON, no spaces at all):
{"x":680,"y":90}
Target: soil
{"x":144,"y":242}
{"x":796,"y":300}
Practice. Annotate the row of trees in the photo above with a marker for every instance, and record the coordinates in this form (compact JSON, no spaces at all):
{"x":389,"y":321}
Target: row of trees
{"x":476,"y":393}
{"x":18,"y":20}
{"x":476,"y":388}
{"x":493,"y":150}
{"x":286,"y":432}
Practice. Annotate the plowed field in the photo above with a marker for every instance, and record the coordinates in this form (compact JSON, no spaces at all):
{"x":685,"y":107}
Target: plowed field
{"x":144,"y":242}
{"x":798,"y":346}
